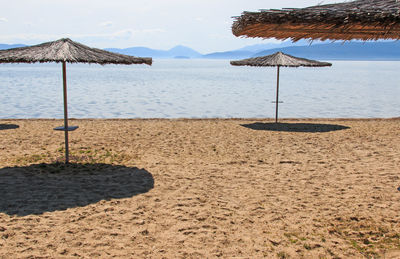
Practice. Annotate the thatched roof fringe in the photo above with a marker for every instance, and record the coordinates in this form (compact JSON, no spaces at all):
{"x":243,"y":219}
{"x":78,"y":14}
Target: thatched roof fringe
{"x":361,"y":19}
{"x":66,"y":50}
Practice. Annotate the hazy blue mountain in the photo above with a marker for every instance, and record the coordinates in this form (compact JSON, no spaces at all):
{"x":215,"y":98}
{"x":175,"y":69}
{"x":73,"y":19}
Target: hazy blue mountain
{"x":260,"y":47}
{"x":184,"y":51}
{"x":138,"y":51}
{"x":343,"y":51}
{"x":181,"y":57}
{"x":11,"y":46}
{"x":229,"y":54}
{"x":249,"y":51}
{"x":178,"y":51}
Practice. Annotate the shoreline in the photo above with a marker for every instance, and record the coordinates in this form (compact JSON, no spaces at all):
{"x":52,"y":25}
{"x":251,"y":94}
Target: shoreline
{"x":211,"y":119}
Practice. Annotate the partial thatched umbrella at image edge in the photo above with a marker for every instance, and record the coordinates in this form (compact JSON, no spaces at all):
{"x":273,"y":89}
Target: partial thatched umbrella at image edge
{"x":278,"y":60}
{"x":66,"y":50}
{"x":361,"y":20}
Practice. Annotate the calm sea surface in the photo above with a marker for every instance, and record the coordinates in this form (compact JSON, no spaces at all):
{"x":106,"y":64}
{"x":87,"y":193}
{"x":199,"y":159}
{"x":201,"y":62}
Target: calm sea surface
{"x":200,"y":89}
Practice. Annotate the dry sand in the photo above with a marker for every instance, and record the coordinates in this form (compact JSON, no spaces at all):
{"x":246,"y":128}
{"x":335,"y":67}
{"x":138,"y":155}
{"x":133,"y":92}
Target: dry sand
{"x":201,"y":189}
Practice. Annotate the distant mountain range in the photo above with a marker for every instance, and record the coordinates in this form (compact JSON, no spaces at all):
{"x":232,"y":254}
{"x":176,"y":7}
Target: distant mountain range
{"x":343,"y":51}
{"x":186,"y":52}
{"x":175,"y":52}
{"x":322,"y":51}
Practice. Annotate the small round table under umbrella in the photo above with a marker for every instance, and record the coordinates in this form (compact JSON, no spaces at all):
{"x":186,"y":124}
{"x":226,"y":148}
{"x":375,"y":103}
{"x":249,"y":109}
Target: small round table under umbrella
{"x":278,"y":60}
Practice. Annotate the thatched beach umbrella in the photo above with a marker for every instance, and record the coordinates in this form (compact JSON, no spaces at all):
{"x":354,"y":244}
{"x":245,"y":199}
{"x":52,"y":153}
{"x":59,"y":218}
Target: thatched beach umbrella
{"x":278,"y":60}
{"x":66,"y":50}
{"x":361,"y":19}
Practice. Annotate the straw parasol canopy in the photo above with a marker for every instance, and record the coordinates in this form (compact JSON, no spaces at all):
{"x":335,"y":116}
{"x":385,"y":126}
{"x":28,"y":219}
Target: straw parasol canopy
{"x":278,"y":60}
{"x":360,"y":19}
{"x":66,"y":50}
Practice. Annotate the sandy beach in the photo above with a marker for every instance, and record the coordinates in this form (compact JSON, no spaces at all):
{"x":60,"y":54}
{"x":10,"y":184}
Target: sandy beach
{"x":228,"y":188}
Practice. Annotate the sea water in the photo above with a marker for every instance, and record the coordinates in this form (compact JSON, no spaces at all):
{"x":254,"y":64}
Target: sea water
{"x":201,"y":89}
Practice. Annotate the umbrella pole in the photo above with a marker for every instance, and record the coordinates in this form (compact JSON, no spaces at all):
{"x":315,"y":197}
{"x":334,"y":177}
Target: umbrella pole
{"x":277,"y":96}
{"x":64,"y":69}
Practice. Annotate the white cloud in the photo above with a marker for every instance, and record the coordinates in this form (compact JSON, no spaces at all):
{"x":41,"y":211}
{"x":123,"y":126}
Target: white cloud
{"x":149,"y":31}
{"x":106,"y":24}
{"x":128,"y":33}
{"x":3,"y":19}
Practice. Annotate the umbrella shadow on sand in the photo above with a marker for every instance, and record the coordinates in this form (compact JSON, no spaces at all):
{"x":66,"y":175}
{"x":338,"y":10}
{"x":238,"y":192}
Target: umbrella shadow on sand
{"x":8,"y":126}
{"x":295,"y":127}
{"x":40,"y":188}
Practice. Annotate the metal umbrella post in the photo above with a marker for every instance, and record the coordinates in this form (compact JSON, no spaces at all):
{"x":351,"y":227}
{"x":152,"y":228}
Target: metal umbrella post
{"x":64,"y":70}
{"x":277,"y":95}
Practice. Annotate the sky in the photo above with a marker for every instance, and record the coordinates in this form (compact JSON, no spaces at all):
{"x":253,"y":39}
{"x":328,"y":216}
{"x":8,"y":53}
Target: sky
{"x":204,"y":25}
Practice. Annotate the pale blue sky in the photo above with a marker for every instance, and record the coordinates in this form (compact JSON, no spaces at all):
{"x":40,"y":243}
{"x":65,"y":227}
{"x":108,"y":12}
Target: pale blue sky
{"x":204,"y":25}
